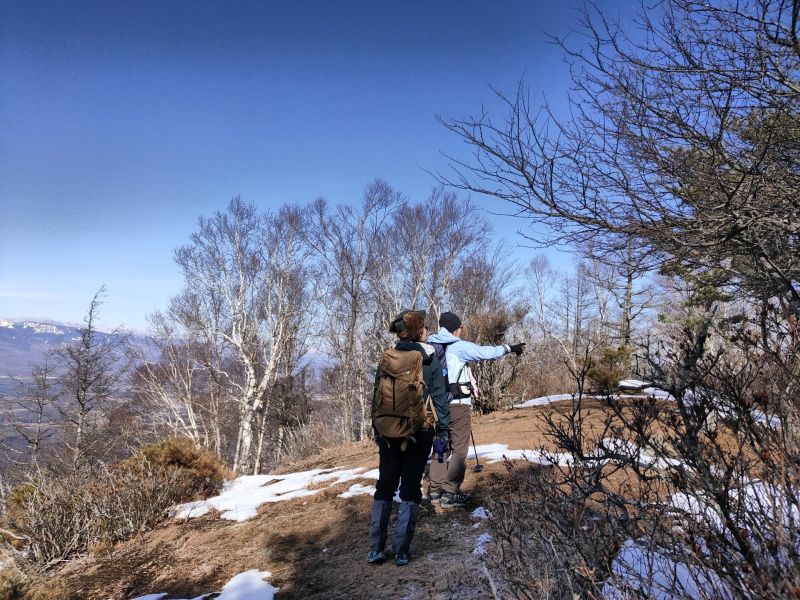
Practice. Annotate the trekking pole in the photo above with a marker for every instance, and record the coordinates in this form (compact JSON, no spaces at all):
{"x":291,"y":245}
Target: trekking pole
{"x":478,"y":467}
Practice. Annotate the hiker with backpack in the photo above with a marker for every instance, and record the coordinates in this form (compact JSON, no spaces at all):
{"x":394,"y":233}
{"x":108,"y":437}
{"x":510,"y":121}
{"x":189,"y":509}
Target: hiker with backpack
{"x":454,"y":353}
{"x":409,"y":410}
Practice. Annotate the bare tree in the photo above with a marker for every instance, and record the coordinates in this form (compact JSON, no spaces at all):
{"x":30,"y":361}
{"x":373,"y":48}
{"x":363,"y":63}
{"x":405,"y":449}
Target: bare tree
{"x":680,"y":154}
{"x":540,"y":280}
{"x":172,"y":387}
{"x":483,"y":281}
{"x":345,"y":242}
{"x":90,"y":372}
{"x":435,"y":241}
{"x":681,"y":146}
{"x":243,"y":274}
{"x":37,"y":400}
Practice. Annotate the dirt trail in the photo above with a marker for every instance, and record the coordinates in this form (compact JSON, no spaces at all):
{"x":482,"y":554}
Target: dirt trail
{"x":315,"y":547}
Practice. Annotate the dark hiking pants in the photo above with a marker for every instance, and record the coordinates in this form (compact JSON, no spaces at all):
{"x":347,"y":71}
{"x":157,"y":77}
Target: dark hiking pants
{"x":403,"y":467}
{"x":449,"y":475}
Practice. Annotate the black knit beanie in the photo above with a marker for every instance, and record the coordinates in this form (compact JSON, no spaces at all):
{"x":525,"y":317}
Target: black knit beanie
{"x":449,"y":321}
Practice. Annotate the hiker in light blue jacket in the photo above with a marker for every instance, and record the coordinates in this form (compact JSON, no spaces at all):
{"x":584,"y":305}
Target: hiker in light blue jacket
{"x":446,"y":477}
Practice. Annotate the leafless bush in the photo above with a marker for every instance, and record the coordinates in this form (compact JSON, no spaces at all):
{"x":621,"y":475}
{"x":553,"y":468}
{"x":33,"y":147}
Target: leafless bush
{"x":307,"y":440}
{"x":692,"y":496}
{"x":711,"y":477}
{"x":542,"y":371}
{"x":549,"y":542}
{"x":61,"y":518}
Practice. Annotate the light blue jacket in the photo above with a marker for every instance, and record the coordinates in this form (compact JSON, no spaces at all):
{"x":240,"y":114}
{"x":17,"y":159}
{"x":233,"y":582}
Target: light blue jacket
{"x":460,"y":352}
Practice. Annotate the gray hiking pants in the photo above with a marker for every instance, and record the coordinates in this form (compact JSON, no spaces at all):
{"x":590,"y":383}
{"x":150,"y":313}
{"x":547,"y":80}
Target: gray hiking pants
{"x":449,"y":475}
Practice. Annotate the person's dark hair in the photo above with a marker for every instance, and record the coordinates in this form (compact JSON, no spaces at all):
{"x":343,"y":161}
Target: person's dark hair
{"x":408,"y":325}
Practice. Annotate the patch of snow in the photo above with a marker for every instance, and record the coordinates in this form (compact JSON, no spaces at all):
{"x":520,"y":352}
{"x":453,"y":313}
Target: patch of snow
{"x":480,"y":544}
{"x":651,"y":392}
{"x":771,"y":421}
{"x":43,"y":328}
{"x":634,"y":384}
{"x":249,"y":585}
{"x":6,"y":324}
{"x":241,"y":497}
{"x":481,"y":513}
{"x":497,"y":452}
{"x":760,"y":498}
{"x":358,"y":489}
{"x":374,"y":474}
{"x":656,"y":576}
{"x":698,"y":507}
{"x":771,"y":500}
{"x":544,"y":400}
{"x":759,"y":509}
{"x":632,"y":452}
{"x":338,"y":475}
{"x":654,"y":392}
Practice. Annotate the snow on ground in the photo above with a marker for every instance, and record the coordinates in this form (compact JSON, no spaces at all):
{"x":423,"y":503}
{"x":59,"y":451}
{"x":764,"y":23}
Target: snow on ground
{"x":724,"y":410}
{"x":767,"y":420}
{"x":656,"y":576}
{"x":249,"y":585}
{"x":493,"y":453}
{"x":634,"y":384}
{"x":771,"y":421}
{"x":761,"y":502}
{"x":357,"y":489}
{"x":650,"y":571}
{"x":632,"y":452}
{"x":654,"y":392}
{"x":697,"y":507}
{"x":544,"y":400}
{"x":650,"y":392}
{"x":481,"y":513}
{"x":241,"y":497}
{"x":480,"y":544}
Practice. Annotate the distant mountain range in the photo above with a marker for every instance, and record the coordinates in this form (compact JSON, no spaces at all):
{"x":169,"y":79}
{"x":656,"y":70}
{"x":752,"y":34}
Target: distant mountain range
{"x":25,"y":344}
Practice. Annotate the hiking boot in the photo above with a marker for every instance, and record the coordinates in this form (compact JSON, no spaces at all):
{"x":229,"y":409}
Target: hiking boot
{"x":465,"y":496}
{"x":379,"y":524}
{"x":401,"y":560}
{"x":456,"y":500}
{"x":434,"y":496}
{"x":407,"y":517}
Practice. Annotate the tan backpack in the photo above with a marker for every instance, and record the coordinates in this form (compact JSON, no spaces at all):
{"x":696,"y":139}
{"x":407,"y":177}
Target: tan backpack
{"x":399,"y":401}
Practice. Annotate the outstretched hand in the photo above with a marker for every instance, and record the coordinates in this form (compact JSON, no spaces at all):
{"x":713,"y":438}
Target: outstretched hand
{"x":517,"y":348}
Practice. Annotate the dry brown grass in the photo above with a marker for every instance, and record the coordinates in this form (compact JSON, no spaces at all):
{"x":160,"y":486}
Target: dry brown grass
{"x":315,"y":546}
{"x":357,"y":454}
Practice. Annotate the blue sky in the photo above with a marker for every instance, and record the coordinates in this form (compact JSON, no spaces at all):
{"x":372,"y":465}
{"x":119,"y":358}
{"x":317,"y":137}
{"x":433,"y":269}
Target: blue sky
{"x":121,"y":123}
